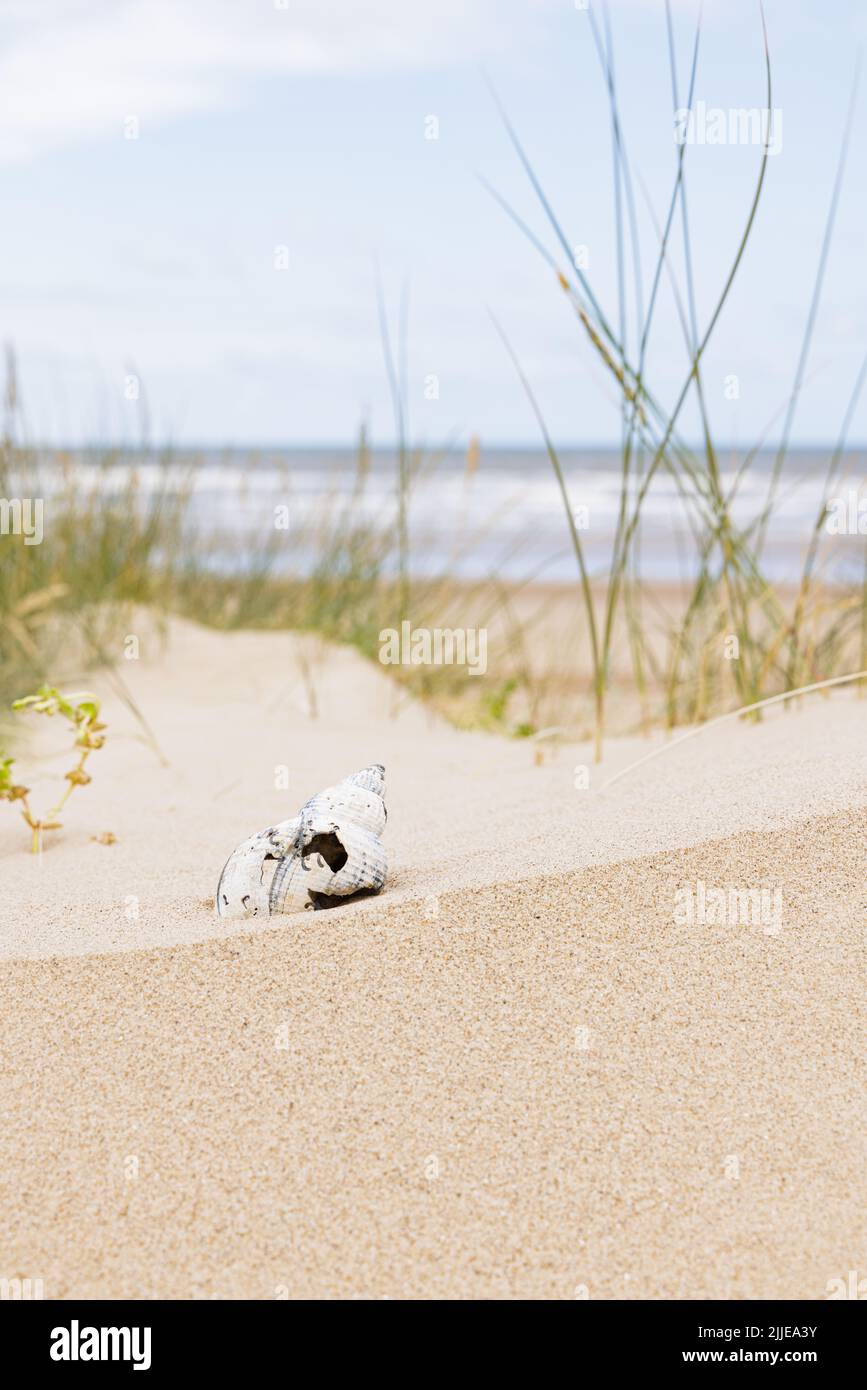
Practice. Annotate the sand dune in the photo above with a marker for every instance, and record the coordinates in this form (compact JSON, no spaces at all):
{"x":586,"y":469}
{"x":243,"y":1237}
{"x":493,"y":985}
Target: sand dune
{"x":519,"y":1072}
{"x":232,"y":712}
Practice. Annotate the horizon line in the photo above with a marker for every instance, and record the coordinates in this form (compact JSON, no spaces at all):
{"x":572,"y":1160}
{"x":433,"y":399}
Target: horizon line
{"x":393,"y":446}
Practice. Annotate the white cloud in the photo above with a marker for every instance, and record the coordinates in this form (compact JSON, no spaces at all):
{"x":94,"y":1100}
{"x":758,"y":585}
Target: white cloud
{"x":73,"y":69}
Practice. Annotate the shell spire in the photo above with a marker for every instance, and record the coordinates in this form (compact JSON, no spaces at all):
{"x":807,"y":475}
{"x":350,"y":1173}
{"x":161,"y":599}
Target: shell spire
{"x":372,"y":778}
{"x":331,"y":850}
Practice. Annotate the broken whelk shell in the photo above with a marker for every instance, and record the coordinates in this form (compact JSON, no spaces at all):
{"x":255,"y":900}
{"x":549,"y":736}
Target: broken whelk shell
{"x":244,"y":884}
{"x":338,"y":859}
{"x":330,"y":850}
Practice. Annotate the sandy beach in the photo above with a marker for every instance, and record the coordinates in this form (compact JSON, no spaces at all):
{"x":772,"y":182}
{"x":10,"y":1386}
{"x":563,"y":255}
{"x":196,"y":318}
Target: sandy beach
{"x":517,"y":1073}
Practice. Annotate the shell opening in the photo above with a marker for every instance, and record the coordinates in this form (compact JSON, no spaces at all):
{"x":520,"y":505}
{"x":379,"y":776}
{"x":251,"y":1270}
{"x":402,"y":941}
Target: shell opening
{"x":329,"y":845}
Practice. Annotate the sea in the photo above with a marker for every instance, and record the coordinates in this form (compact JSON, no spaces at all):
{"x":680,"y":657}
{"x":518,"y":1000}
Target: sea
{"x":503,"y":513}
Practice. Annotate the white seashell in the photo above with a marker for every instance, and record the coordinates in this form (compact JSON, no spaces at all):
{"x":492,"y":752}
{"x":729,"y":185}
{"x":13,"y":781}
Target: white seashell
{"x":330,"y":850}
{"x":246,"y":879}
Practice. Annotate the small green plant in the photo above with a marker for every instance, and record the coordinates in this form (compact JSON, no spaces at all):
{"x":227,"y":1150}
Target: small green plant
{"x":81,"y":709}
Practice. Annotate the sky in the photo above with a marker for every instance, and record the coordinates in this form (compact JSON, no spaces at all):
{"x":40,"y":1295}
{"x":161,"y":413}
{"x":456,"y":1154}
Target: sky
{"x":197,"y":193}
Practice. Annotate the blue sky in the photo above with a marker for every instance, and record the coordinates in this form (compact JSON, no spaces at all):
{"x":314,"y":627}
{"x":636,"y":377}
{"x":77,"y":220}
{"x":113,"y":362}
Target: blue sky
{"x":262,"y":126}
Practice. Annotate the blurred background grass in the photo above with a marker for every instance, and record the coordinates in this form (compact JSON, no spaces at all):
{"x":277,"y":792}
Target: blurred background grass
{"x":114,"y":550}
